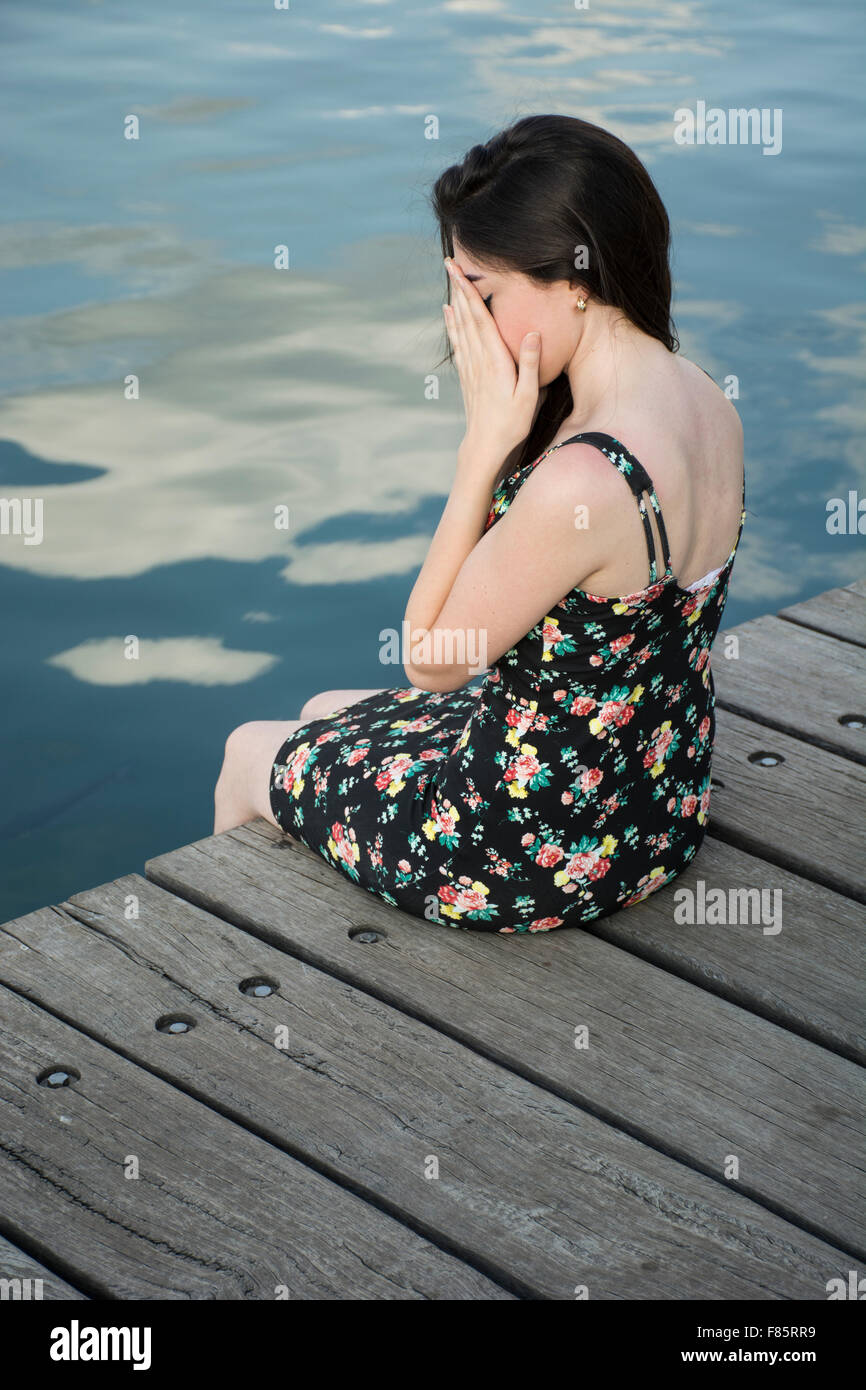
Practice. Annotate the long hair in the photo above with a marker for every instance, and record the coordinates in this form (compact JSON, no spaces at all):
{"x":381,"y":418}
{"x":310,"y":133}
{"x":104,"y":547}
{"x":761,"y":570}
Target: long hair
{"x":535,"y":194}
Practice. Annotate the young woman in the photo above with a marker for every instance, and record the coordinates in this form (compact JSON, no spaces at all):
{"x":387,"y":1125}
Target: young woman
{"x":575,"y":779}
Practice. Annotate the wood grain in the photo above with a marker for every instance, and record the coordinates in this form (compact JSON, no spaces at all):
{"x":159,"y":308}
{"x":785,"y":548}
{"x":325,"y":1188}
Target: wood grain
{"x":669,"y":1062}
{"x":796,"y":680}
{"x":215,"y":1212}
{"x":839,"y":612}
{"x":44,"y":1284}
{"x":804,"y":813}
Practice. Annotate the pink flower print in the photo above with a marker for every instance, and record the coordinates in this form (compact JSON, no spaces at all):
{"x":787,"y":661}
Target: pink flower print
{"x":549,"y":855}
{"x":617,"y":712}
{"x":356,"y":755}
{"x":521,"y":770}
{"x":343,"y":845}
{"x":583,"y":704}
{"x":416,"y":726}
{"x":520,"y":719}
{"x":599,"y":868}
{"x":526,"y":766}
{"x":293,"y":776}
{"x":470,"y":900}
{"x":579,"y":865}
{"x":664,"y":738}
{"x":392,"y":770}
{"x":465,"y":896}
{"x":590,"y":778}
{"x":689,"y":805}
{"x":445,"y":822}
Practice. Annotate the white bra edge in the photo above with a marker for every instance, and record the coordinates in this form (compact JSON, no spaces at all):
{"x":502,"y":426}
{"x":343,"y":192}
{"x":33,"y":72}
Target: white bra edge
{"x":707,"y":579}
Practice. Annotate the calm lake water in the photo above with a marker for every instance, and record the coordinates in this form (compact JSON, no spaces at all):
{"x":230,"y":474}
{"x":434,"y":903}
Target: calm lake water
{"x":304,"y":388}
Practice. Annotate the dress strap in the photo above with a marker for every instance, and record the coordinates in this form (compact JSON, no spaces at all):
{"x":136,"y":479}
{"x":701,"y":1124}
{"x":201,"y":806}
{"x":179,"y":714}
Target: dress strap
{"x":639,"y":481}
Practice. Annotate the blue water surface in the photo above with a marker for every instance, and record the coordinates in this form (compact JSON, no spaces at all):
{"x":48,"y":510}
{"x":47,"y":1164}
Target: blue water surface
{"x":303,"y":389}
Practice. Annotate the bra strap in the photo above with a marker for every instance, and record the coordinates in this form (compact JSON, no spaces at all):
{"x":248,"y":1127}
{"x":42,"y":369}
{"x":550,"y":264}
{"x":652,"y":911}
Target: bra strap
{"x":639,"y":481}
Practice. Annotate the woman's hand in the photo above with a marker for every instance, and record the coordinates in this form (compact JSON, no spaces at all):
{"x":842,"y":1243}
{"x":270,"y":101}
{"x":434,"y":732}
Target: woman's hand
{"x":500,"y":401}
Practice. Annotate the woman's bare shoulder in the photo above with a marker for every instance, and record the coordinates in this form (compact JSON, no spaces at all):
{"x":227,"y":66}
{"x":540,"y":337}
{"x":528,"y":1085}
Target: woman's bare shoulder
{"x":710,"y":401}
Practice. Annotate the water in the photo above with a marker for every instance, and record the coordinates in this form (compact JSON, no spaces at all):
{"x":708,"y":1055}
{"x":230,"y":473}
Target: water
{"x":305,"y":388}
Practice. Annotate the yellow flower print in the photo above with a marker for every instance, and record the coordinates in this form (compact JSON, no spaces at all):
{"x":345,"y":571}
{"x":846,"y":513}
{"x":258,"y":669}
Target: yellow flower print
{"x":662,"y":741}
{"x":608,"y":845}
{"x":444,"y":822}
{"x":547,"y":654}
{"x":524,"y":769}
{"x":344,"y":847}
{"x":526,"y":718}
{"x":635,"y":694}
{"x":466,"y":899}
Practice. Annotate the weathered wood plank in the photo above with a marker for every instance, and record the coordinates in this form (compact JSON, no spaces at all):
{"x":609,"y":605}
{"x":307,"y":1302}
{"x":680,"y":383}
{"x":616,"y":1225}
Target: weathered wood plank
{"x":554,"y":1195}
{"x":805,"y":813}
{"x":795,"y":679}
{"x":839,"y":612}
{"x":24,"y":1279}
{"x":215,"y":1211}
{"x":806,"y":977}
{"x":666,"y":1061}
{"x":800,"y":959}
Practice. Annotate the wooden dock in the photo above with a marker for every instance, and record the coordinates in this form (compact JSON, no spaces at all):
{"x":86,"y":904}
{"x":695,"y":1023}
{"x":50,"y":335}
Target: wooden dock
{"x":282,"y":1087}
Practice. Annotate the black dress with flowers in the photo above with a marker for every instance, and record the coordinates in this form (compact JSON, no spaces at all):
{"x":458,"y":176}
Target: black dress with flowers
{"x":573,"y":781}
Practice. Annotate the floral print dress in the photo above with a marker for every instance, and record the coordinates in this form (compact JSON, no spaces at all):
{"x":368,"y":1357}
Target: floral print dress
{"x":573,"y":781}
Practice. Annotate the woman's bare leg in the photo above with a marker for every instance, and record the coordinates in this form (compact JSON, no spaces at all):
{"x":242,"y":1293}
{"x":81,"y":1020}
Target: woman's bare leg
{"x":329,"y":701}
{"x":243,"y":789}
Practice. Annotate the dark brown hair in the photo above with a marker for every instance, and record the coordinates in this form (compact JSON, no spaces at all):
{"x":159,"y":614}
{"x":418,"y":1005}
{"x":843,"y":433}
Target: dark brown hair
{"x":534,"y":193}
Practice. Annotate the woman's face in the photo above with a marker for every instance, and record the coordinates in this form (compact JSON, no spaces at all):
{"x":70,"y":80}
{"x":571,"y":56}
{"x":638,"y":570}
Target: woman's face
{"x":520,"y":306}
